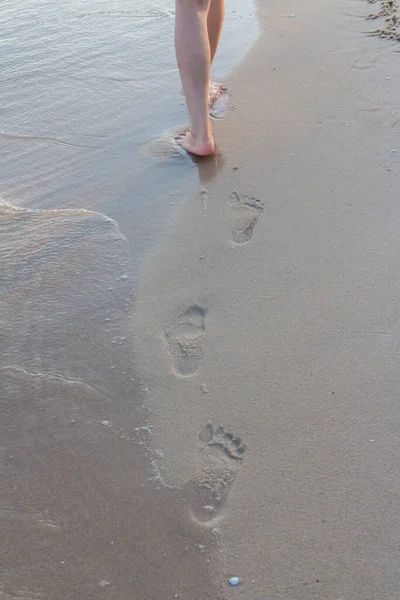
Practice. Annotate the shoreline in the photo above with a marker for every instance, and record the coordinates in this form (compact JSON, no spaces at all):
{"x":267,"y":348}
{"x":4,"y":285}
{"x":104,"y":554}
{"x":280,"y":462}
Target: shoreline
{"x":84,"y":510}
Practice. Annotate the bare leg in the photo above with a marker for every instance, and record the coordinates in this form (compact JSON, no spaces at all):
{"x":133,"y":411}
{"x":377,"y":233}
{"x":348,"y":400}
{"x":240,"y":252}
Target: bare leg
{"x":194,"y":59}
{"x":215,"y":20}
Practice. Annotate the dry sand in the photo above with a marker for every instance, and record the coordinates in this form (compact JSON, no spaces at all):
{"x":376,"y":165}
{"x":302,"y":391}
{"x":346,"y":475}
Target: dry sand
{"x":272,"y":307}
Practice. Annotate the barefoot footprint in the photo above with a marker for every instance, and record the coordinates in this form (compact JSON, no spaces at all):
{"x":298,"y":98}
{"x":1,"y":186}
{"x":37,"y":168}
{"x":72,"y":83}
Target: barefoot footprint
{"x":185,"y":340}
{"x":247,"y":211}
{"x":221,"y":462}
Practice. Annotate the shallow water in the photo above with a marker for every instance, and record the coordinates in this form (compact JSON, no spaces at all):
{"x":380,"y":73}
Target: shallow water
{"x":86,"y":86}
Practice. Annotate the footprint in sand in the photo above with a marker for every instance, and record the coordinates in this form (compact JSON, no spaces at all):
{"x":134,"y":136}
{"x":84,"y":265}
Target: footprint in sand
{"x":247,"y":210}
{"x":185,"y":340}
{"x":221,"y":454}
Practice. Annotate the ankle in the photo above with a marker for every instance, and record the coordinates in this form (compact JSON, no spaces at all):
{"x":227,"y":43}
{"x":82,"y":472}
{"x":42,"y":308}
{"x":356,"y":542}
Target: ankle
{"x":203,"y":134}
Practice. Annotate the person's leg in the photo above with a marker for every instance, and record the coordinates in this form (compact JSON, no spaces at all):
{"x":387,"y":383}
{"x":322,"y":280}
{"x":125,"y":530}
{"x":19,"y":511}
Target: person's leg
{"x":194,"y":59}
{"x":215,"y":20}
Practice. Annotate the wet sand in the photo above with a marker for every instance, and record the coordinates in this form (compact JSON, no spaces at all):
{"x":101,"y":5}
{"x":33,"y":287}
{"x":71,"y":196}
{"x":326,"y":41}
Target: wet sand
{"x":272,"y":307}
{"x":82,"y":510}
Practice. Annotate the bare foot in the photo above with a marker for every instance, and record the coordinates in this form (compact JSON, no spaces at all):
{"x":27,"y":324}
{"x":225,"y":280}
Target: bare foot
{"x":214,"y":91}
{"x":200,"y":147}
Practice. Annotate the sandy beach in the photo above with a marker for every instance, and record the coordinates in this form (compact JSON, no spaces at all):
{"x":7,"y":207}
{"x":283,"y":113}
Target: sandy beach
{"x":212,"y":391}
{"x":271,"y":308}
